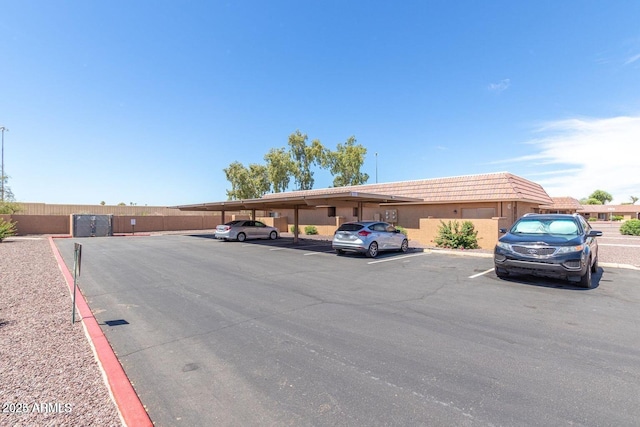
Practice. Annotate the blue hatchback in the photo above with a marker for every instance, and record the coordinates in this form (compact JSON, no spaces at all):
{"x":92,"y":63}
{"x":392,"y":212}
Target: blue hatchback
{"x":551,"y":245}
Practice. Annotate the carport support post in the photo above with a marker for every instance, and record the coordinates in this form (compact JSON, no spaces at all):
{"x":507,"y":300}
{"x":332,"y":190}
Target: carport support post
{"x":253,"y":214}
{"x":295,"y":224}
{"x":222,"y":217}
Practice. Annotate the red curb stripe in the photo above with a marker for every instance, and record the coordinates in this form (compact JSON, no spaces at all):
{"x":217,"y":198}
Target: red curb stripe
{"x":127,"y":400}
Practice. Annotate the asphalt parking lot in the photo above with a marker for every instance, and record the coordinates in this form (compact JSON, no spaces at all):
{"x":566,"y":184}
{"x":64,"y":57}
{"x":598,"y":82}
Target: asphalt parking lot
{"x":267,"y":332}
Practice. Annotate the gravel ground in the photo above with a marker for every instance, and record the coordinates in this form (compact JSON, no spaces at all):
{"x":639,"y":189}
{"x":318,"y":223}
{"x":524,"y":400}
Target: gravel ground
{"x":47,"y":366}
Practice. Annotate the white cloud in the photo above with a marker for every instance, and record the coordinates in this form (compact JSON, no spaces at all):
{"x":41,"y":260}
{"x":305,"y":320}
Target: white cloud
{"x":501,"y":86}
{"x":592,"y":154}
{"x":632,"y":59}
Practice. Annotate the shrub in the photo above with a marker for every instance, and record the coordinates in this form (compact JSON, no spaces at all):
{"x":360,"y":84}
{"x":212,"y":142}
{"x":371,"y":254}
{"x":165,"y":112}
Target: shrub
{"x":592,"y":219}
{"x":402,"y":230}
{"x":9,"y":208}
{"x":7,"y":229}
{"x":617,"y":218}
{"x":451,"y":235}
{"x":631,"y":227}
{"x":310,"y":229}
{"x":293,"y":229}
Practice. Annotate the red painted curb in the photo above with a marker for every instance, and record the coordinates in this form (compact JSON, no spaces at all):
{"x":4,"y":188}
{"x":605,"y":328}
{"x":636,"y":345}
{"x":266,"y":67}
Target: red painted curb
{"x":127,"y":400}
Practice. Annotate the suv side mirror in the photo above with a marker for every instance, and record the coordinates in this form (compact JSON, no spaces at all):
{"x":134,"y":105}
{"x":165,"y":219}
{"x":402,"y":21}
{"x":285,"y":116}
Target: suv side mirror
{"x":503,"y":230}
{"x":594,"y":233}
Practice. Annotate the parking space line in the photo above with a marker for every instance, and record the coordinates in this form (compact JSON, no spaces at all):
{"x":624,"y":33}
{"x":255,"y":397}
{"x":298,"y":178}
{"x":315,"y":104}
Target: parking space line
{"x":319,"y":253}
{"x":293,"y":247}
{"x":481,"y":274}
{"x":396,"y":258}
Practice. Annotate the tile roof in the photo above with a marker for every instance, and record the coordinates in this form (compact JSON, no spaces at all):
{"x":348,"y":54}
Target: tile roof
{"x":502,"y":186}
{"x":563,"y":203}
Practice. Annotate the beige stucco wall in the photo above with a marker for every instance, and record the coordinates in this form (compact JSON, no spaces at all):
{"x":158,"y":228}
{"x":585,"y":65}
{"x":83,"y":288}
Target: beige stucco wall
{"x":40,"y":224}
{"x":60,"y":209}
{"x":421,"y":221}
{"x":488,"y":230}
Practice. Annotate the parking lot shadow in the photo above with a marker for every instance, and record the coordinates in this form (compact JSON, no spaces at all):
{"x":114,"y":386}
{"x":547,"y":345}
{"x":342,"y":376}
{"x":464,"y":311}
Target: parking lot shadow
{"x":317,"y":244}
{"x":545,"y":282}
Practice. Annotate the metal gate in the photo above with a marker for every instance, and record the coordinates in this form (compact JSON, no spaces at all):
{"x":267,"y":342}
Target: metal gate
{"x":92,"y":225}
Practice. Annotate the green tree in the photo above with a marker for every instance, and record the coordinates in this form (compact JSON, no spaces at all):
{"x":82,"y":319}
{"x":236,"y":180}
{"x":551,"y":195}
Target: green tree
{"x":279,"y":169}
{"x":8,"y":208}
{"x":8,"y":204}
{"x":247,"y":183}
{"x":602,"y":196}
{"x":304,"y":156}
{"x":345,"y":163}
{"x":634,"y":199}
{"x":7,"y":195}
{"x":590,"y":201}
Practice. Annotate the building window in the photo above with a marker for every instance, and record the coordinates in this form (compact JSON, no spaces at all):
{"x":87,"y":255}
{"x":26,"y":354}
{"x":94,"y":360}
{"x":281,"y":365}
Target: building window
{"x":331,"y":211}
{"x":355,"y":212}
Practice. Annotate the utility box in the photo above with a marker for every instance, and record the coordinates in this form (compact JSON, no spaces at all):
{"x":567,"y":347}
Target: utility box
{"x":87,"y":225}
{"x":391,"y":215}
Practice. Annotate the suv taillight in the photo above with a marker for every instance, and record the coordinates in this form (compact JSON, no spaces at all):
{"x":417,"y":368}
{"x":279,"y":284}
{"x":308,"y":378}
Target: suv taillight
{"x":363,"y":233}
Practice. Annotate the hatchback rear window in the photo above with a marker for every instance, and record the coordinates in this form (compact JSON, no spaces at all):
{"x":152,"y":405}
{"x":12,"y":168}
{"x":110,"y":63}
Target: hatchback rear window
{"x":350,"y":227}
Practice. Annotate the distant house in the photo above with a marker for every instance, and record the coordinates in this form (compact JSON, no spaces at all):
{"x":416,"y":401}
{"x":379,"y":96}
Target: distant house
{"x":562,"y":205}
{"x":607,"y":212}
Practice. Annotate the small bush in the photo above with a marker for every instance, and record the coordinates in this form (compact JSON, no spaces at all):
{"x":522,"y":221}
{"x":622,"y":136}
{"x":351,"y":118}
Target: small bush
{"x":402,"y":230}
{"x":310,"y":229}
{"x":7,"y":229}
{"x":592,"y":219}
{"x":631,"y":227}
{"x":617,"y":218}
{"x":293,"y":229}
{"x":452,"y":236}
{"x":8,"y":208}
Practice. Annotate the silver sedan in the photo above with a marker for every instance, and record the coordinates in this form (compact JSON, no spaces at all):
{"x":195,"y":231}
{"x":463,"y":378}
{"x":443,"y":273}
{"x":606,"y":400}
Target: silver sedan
{"x":369,"y":237}
{"x":242,"y":230}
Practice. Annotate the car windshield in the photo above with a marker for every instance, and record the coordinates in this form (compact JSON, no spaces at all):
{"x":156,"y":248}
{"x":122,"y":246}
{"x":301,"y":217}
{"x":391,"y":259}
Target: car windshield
{"x":565,"y":227}
{"x":350,"y":227}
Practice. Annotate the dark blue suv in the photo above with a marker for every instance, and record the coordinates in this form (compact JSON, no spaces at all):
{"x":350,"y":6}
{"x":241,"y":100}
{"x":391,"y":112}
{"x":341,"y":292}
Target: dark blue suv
{"x":550,"y":245}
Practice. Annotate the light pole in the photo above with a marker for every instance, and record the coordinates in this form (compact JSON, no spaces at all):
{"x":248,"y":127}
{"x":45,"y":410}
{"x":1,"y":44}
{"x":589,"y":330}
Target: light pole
{"x":2,"y":129}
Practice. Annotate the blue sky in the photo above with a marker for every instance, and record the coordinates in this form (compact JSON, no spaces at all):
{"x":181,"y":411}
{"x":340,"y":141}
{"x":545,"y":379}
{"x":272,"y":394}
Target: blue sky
{"x":148,"y":101}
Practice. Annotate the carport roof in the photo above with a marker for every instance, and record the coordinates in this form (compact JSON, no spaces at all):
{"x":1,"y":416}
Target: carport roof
{"x":302,"y":201}
{"x":501,"y":186}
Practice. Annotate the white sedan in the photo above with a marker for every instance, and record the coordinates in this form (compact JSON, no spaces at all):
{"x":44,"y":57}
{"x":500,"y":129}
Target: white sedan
{"x":244,"y":229}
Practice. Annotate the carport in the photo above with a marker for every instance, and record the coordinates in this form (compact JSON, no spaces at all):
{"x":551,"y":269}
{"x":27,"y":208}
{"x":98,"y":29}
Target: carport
{"x":274,"y":201}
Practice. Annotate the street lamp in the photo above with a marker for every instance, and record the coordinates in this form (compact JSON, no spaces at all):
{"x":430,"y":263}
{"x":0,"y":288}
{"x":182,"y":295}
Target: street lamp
{"x":2,"y":129}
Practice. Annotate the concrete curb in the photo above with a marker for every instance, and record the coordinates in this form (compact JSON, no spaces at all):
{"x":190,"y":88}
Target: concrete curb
{"x":131,"y":410}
